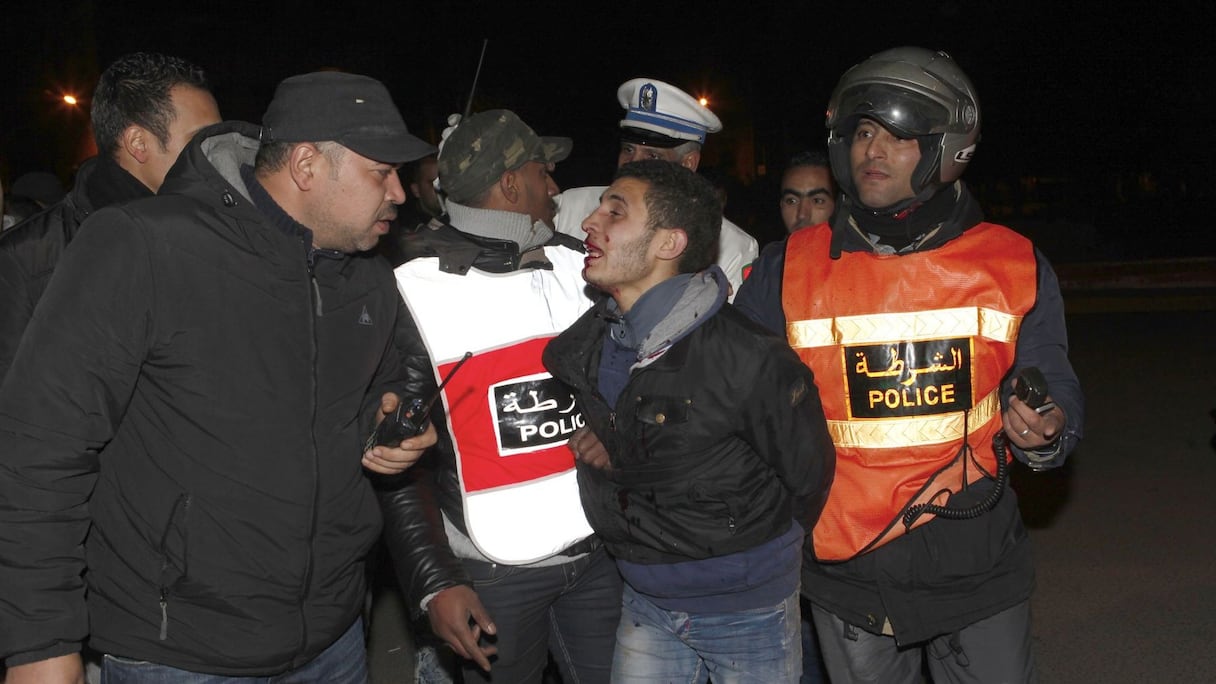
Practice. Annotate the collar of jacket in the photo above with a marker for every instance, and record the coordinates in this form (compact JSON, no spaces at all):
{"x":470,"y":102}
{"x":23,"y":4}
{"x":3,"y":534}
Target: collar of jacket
{"x":101,"y":182}
{"x":668,"y":312}
{"x":275,"y":214}
{"x":283,"y":221}
{"x":500,"y":225}
{"x":947,"y":221}
{"x":459,"y":251}
{"x":667,"y":356}
{"x":209,"y":166}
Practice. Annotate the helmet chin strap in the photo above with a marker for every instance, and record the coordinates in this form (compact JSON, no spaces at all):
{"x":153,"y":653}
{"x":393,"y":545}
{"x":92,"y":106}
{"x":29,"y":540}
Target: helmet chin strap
{"x":898,"y":210}
{"x":903,"y":224}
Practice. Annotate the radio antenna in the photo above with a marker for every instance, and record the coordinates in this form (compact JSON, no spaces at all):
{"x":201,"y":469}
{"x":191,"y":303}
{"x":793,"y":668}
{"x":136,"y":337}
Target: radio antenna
{"x":469,"y":105}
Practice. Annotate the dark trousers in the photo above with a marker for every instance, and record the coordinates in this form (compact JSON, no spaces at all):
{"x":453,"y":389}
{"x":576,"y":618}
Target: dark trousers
{"x":570,"y":609}
{"x":995,"y":649}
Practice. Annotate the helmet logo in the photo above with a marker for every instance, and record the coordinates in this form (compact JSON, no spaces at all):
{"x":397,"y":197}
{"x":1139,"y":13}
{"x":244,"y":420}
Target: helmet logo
{"x":964,"y":155}
{"x":969,"y":115}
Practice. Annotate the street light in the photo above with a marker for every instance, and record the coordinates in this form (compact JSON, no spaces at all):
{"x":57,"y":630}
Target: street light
{"x":70,"y":99}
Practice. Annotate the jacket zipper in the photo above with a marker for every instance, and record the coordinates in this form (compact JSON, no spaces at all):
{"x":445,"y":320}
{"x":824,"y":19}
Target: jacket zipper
{"x":314,"y":294}
{"x":182,"y":504}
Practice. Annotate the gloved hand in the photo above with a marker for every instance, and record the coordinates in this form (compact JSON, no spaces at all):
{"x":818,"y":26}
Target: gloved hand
{"x":453,"y":122}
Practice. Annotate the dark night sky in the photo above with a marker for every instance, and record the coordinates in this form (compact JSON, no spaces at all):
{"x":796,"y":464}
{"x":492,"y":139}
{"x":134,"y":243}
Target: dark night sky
{"x":1075,"y":89}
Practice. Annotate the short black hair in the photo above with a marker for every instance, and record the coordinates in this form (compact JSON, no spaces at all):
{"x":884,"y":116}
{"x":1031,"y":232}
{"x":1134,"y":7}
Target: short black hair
{"x":135,"y":89}
{"x":815,"y":157}
{"x":679,"y":198}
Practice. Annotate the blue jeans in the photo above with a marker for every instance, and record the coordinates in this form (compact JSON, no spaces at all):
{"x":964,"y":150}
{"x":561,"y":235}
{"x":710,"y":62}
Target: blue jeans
{"x":655,"y":645}
{"x":433,"y":663}
{"x":344,"y":662}
{"x":571,"y":610}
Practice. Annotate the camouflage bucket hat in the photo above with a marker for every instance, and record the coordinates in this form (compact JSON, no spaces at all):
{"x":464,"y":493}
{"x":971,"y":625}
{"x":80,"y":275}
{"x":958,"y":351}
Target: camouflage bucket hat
{"x":488,"y":144}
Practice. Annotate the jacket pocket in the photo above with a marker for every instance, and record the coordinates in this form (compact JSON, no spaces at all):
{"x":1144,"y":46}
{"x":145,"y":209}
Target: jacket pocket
{"x":720,"y":505}
{"x":660,"y":435}
{"x":661,"y":411}
{"x":174,"y":544}
{"x":174,"y":552}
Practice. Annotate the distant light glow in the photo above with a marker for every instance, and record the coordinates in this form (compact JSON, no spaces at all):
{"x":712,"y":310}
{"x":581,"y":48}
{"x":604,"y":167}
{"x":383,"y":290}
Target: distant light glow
{"x":704,"y":101}
{"x":70,"y":99}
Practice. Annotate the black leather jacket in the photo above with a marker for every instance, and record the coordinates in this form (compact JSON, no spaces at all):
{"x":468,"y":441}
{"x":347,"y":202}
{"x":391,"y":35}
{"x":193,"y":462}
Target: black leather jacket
{"x":715,"y":446}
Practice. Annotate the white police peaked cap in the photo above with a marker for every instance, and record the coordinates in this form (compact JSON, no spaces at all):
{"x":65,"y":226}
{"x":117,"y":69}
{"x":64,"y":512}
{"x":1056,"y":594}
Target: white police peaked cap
{"x":663,"y":115}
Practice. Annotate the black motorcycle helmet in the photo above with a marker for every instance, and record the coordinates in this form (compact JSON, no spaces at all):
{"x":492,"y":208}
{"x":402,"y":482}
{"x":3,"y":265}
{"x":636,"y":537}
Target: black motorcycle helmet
{"x":914,"y":93}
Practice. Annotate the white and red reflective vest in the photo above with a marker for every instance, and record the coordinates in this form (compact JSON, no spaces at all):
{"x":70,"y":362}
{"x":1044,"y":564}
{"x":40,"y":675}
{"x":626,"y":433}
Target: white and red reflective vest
{"x":509,"y":419}
{"x":908,"y":353}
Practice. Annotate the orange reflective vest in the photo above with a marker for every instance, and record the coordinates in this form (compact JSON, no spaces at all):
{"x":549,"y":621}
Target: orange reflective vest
{"x":908,"y":352}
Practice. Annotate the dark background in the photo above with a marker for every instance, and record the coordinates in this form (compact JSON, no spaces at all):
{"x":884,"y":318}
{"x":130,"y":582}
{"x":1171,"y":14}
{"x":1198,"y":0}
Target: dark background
{"x":1097,"y":119}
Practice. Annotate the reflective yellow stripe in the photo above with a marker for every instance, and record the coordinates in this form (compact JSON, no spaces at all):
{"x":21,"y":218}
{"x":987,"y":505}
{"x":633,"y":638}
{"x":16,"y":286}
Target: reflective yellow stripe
{"x":967,"y":321}
{"x":886,"y":433}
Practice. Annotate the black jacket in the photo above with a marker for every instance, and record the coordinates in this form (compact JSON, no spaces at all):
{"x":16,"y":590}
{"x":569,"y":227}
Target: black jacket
{"x":413,"y":501}
{"x":948,"y":574}
{"x":715,"y":446}
{"x":197,"y":386}
{"x":30,"y":250}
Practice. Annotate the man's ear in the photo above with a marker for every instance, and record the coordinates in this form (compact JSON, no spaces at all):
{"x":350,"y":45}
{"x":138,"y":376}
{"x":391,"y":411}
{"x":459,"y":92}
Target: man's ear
{"x":691,"y":160}
{"x":672,"y":244}
{"x":134,"y":141}
{"x":303,"y":165}
{"x":509,"y":185}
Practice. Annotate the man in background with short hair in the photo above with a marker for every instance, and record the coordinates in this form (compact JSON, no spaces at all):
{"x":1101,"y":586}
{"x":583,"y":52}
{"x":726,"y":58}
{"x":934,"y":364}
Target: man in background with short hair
{"x":808,"y":193}
{"x":146,"y":107}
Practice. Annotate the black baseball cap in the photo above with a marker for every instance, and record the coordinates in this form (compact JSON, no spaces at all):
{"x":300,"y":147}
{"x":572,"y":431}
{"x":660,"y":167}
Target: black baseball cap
{"x":352,"y":110}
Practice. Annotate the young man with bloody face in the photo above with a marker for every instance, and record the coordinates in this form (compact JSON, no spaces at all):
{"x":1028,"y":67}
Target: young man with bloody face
{"x":713,"y":456}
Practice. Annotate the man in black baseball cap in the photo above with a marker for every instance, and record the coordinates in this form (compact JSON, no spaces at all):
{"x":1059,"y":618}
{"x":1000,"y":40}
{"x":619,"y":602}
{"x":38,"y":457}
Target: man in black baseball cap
{"x":348,"y":124}
{"x":218,"y":354}
{"x":352,"y":110}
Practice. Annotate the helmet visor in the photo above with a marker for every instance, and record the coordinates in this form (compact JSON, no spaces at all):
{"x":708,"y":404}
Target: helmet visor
{"x":904,"y":112}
